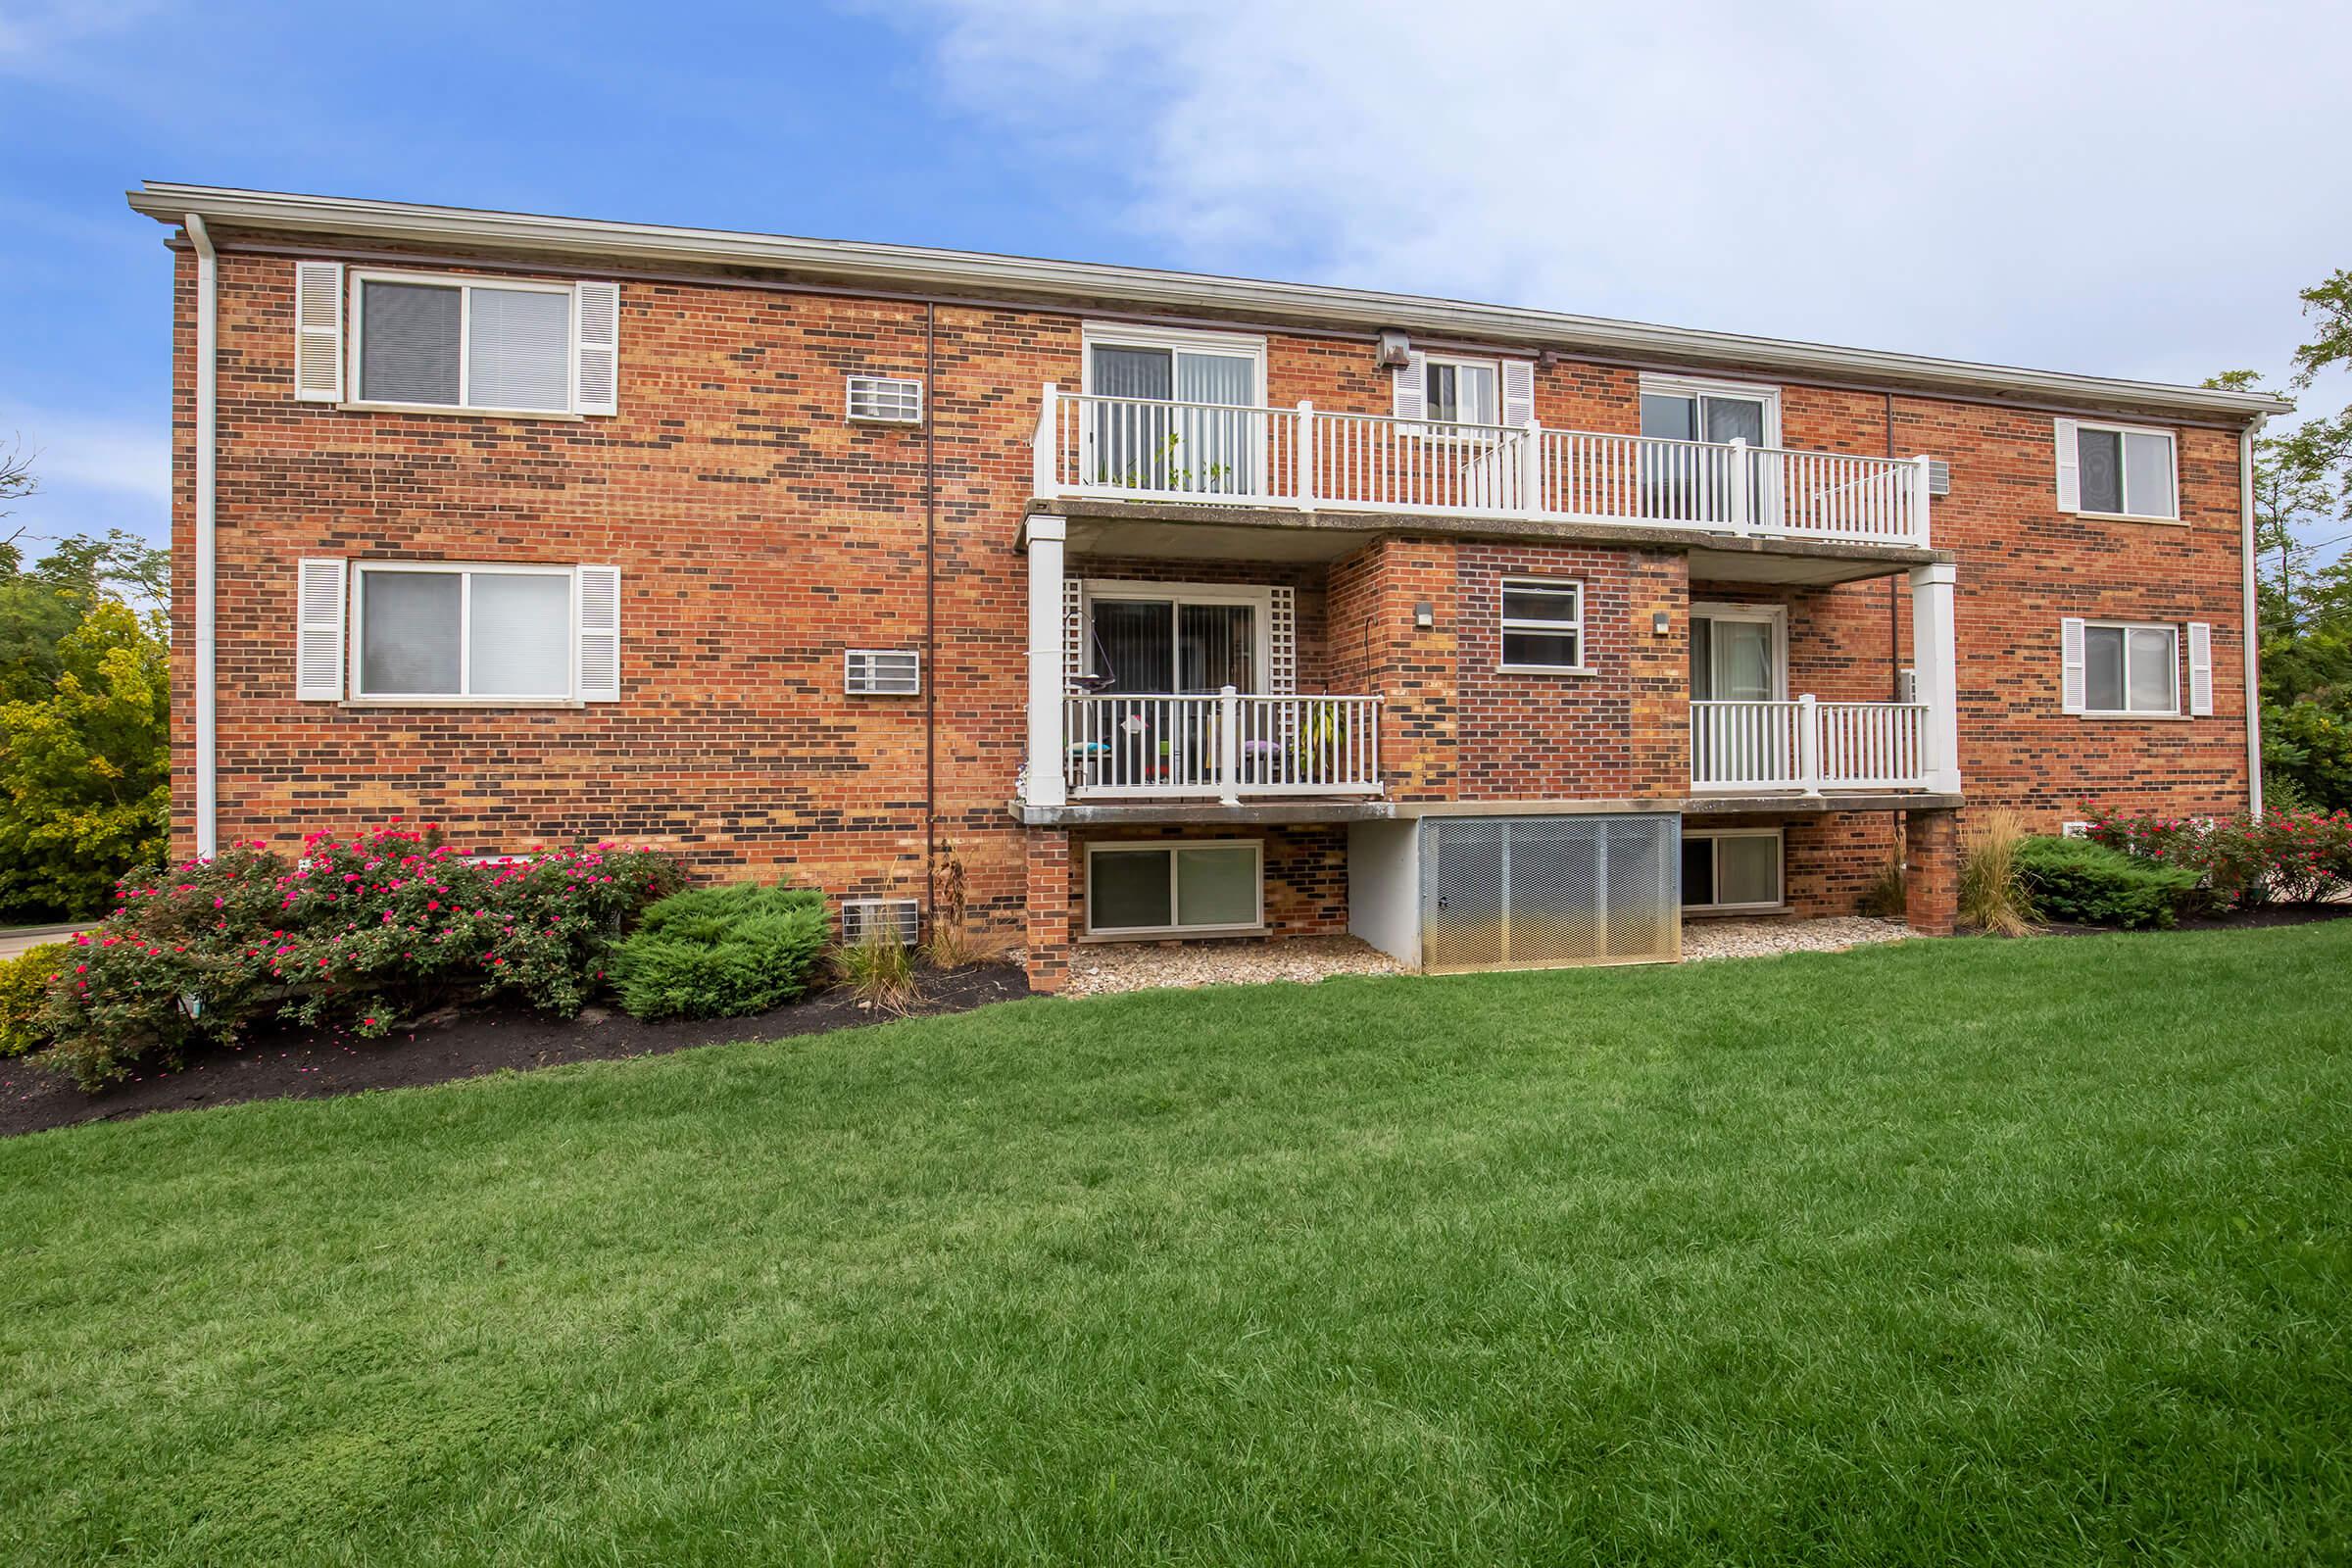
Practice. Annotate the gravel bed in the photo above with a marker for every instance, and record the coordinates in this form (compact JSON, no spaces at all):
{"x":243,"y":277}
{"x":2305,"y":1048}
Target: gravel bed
{"x":1097,"y":971}
{"x":1758,"y":939}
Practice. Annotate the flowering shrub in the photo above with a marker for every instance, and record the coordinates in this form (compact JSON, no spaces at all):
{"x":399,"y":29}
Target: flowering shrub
{"x":358,"y":934}
{"x":2244,"y":861}
{"x":23,"y":989}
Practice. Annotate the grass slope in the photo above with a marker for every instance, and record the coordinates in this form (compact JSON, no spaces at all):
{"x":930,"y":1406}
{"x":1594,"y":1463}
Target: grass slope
{"x":2028,"y":1251}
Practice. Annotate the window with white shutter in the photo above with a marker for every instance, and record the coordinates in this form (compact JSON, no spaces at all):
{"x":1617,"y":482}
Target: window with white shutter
{"x":1408,"y":388}
{"x":426,"y":631}
{"x":318,"y":631}
{"x":319,"y":332}
{"x":2117,"y":471}
{"x":434,"y":341}
{"x":1518,"y":393}
{"x":2119,"y":669}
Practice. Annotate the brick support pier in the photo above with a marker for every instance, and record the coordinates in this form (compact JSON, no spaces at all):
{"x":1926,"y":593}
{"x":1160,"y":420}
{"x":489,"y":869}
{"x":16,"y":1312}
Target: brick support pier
{"x":1931,"y":872}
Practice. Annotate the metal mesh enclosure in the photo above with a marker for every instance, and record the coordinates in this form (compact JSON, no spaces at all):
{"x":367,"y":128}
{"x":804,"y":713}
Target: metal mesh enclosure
{"x":1536,"y":892}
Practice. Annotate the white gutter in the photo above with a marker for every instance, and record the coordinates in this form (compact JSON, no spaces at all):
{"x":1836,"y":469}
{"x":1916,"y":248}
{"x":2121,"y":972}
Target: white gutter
{"x":1085,"y":283}
{"x":2253,"y":658}
{"x":208,"y":331}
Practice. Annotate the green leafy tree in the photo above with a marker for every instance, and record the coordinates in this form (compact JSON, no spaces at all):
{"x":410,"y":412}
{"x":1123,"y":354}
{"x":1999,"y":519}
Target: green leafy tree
{"x":85,"y":715}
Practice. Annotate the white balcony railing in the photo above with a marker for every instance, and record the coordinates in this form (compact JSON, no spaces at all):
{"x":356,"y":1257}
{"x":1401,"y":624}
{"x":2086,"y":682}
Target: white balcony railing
{"x":1808,"y":745}
{"x":1227,"y":745}
{"x":1305,"y":459}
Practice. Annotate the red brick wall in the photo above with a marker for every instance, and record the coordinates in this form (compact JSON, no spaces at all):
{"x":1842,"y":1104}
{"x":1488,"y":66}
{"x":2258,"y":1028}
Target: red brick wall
{"x":758,"y":534}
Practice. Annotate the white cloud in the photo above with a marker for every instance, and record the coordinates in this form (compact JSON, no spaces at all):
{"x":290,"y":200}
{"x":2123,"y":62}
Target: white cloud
{"x":2120,"y":188}
{"x":126,"y":458}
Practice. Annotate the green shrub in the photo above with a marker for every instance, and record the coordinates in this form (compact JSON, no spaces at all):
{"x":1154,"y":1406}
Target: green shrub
{"x":2083,"y":883}
{"x":356,"y":935}
{"x":721,"y":953}
{"x":23,"y":991}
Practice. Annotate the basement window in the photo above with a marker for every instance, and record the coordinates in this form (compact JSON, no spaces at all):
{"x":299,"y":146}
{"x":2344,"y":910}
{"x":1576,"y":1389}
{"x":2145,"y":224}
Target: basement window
{"x":1192,"y":887}
{"x":1724,"y":870}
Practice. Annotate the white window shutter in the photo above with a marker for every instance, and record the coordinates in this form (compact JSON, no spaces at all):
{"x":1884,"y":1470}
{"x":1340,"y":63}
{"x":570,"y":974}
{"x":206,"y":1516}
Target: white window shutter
{"x":2070,"y":655}
{"x":320,"y":596}
{"x":319,"y":332}
{"x":2200,"y":668}
{"x":1409,"y":386}
{"x":1518,"y":392}
{"x":2070,"y":473}
{"x":1282,"y":618}
{"x":596,"y":356}
{"x":600,"y":634}
{"x":1073,"y":632}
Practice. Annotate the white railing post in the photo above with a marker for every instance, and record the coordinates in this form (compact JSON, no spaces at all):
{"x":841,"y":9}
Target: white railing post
{"x":1736,"y":486}
{"x":1808,"y":744}
{"x":1047,"y":757}
{"x":1302,"y":453}
{"x":1531,"y":467}
{"x":1049,"y":443}
{"x":1922,"y":477}
{"x":1935,"y":656}
{"x":1229,"y":747}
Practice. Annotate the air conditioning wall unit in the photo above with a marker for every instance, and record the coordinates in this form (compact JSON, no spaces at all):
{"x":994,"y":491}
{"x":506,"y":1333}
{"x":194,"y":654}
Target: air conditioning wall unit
{"x":899,"y":920}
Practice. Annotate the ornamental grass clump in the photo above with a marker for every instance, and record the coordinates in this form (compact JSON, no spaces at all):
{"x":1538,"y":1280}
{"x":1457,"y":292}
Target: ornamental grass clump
{"x":1992,"y":899}
{"x":878,"y":971}
{"x":721,"y":951}
{"x":360,"y":934}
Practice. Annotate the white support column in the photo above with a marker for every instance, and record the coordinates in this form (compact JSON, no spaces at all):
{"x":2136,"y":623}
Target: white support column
{"x":1045,"y":452}
{"x":1808,"y":744}
{"x":1046,"y":536}
{"x":1737,"y":484}
{"x":1531,"y":467}
{"x":1922,"y":471}
{"x":1934,"y":656}
{"x":1229,"y":746}
{"x":1302,"y":452}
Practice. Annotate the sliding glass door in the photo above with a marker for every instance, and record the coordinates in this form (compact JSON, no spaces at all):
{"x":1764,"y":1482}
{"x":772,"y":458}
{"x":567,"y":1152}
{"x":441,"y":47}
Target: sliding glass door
{"x":1695,"y":484}
{"x":1151,"y":430}
{"x":1160,"y":646}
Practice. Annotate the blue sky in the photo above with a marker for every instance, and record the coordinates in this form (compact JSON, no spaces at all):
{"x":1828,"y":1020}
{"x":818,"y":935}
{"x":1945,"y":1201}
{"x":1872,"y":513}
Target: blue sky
{"x":2130,"y":189}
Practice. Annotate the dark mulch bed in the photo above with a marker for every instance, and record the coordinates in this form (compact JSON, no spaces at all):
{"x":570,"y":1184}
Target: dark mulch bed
{"x":2265,"y":915}
{"x":316,"y":1065}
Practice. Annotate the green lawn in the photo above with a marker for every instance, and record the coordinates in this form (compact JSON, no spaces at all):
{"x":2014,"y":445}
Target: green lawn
{"x":1950,"y":1252}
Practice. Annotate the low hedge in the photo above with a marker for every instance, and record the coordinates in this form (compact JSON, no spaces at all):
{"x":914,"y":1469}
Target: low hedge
{"x":2082,"y":883}
{"x":721,"y":953}
{"x":23,"y":991}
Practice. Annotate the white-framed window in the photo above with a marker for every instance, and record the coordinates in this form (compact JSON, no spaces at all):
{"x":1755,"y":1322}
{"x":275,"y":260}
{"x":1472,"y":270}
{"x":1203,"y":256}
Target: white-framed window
{"x":1684,"y":408}
{"x":2118,"y":471}
{"x":2131,"y":669}
{"x":1739,"y":653}
{"x":885,"y":399}
{"x":439,"y":631}
{"x":1542,"y":624}
{"x":1731,"y":868}
{"x":1148,"y":636}
{"x":1181,"y":887}
{"x":1461,"y":391}
{"x":435,"y":341}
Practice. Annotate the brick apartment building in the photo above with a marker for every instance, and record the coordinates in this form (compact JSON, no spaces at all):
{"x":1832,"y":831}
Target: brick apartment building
{"x":1170,"y":606}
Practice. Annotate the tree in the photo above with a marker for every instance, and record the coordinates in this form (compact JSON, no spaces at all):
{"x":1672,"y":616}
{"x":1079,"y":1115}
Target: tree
{"x":85,"y":716}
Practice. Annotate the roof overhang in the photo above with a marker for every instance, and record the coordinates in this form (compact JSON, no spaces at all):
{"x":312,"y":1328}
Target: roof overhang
{"x":1082,"y":284}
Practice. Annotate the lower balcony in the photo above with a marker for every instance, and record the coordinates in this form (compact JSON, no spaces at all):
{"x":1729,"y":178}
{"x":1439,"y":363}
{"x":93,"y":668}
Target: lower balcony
{"x":1225,"y":746}
{"x":1809,"y":747}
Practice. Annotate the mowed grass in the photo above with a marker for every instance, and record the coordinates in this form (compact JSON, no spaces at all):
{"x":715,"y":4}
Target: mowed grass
{"x":1951,"y":1251}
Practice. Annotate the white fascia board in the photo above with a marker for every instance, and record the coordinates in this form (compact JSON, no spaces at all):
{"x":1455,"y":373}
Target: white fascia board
{"x":918,"y":268}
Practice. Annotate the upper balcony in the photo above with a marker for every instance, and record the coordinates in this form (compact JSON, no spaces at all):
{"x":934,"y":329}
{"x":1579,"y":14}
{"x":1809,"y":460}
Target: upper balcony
{"x":1308,"y":460}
